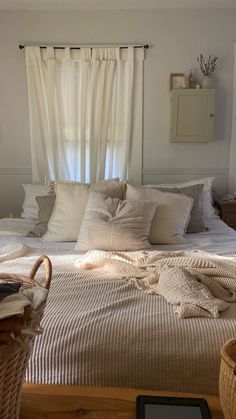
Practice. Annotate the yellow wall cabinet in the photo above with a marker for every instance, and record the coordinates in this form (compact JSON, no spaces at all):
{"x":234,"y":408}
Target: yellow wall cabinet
{"x":192,"y":115}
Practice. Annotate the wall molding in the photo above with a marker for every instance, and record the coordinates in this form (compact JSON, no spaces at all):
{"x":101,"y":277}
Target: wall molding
{"x":166,"y":171}
{"x":15,"y":171}
{"x":192,"y":171}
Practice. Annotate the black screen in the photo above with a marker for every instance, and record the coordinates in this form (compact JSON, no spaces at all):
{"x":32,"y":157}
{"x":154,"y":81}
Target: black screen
{"x":158,"y":411}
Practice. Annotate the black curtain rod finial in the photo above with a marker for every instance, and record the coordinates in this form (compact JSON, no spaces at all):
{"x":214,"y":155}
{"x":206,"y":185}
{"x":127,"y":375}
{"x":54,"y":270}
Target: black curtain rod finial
{"x":21,"y":46}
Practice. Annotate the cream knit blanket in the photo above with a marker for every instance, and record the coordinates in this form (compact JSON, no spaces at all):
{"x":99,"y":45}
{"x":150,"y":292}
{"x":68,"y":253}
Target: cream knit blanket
{"x":13,"y":251}
{"x":197,"y":283}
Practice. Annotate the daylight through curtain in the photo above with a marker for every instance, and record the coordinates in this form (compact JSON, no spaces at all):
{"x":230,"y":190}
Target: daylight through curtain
{"x":85,"y":113}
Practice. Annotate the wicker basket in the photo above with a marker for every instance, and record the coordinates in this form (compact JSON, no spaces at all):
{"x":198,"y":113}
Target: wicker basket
{"x":228,"y":379}
{"x":14,"y":356}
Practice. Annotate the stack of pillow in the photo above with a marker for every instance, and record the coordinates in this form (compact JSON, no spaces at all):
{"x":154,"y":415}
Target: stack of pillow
{"x":114,"y":215}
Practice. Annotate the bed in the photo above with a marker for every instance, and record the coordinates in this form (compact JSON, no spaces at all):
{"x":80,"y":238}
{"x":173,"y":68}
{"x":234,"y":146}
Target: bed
{"x":102,"y":331}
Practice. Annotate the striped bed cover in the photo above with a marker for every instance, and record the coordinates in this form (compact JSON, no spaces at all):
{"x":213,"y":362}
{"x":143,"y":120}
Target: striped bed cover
{"x":102,"y":331}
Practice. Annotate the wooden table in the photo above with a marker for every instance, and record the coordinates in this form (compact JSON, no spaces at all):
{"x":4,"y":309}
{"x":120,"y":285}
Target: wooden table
{"x":67,"y":402}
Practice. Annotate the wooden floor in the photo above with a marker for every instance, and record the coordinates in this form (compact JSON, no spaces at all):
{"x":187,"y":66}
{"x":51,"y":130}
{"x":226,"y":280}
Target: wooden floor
{"x":70,"y":402}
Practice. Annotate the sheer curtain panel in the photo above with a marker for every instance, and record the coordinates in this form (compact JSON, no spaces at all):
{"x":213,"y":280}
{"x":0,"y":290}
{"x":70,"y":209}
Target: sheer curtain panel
{"x":85,"y":110}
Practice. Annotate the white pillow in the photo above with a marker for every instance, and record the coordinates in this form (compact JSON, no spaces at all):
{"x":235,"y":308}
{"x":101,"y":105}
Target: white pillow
{"x":171,"y":217}
{"x":30,"y":206}
{"x":70,"y":204}
{"x":207,"y":208}
{"x":112,"y":224}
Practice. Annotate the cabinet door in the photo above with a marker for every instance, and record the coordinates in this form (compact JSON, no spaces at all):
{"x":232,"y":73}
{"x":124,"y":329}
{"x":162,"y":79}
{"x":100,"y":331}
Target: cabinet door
{"x":192,"y":115}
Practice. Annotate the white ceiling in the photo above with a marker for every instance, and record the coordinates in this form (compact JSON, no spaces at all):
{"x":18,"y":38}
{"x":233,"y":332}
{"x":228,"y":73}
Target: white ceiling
{"x":113,"y":4}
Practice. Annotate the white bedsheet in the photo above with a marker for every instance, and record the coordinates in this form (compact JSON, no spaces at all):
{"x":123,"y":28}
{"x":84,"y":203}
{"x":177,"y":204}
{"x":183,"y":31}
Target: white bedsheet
{"x":219,"y":235}
{"x":16,"y":226}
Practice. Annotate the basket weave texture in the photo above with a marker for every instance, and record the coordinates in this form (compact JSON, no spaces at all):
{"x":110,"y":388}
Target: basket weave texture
{"x":14,"y":355}
{"x":228,"y":379}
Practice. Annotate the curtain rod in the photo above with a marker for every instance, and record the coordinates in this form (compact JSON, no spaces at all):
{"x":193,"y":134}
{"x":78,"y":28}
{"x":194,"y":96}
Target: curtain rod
{"x":146,"y":46}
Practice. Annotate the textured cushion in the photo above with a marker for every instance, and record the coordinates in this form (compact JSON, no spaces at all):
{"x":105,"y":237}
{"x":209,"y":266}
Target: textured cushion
{"x":196,"y":222}
{"x":71,"y":200}
{"x":30,"y":206}
{"x":206,"y":196}
{"x":171,"y":217}
{"x":112,"y":224}
{"x":45,"y":208}
{"x":52,"y":184}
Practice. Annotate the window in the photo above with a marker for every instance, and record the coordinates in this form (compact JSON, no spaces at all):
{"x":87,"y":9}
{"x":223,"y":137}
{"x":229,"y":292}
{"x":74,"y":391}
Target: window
{"x":85,"y":113}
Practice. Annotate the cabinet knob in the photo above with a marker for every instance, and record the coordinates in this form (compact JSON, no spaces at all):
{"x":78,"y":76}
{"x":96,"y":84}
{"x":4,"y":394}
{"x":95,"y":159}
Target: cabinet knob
{"x":211,"y":115}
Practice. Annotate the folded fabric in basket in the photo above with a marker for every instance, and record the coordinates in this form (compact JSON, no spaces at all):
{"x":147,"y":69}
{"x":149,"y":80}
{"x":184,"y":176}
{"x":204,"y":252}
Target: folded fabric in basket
{"x":7,"y":289}
{"x":36,"y":296}
{"x":15,"y":304}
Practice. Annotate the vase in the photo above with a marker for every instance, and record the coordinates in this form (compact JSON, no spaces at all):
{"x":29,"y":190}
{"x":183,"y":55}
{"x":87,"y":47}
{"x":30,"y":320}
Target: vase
{"x":206,"y":82}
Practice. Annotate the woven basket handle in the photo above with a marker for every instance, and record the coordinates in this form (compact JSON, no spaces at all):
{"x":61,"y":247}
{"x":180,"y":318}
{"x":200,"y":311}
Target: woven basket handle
{"x":48,"y":270}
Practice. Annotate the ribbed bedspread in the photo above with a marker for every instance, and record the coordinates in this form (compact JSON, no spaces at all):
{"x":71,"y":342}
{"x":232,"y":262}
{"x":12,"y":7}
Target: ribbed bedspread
{"x":100,"y":330}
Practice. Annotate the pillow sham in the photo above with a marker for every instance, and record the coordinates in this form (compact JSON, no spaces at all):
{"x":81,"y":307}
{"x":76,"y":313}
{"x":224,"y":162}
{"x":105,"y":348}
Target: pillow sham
{"x":171,"y":217}
{"x":45,"y":208}
{"x":30,"y":206}
{"x":206,"y":198}
{"x":113,"y":224}
{"x":70,"y":204}
{"x":196,"y":222}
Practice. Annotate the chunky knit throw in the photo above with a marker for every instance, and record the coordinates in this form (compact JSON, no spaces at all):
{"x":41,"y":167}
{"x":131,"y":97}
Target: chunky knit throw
{"x":197,"y":283}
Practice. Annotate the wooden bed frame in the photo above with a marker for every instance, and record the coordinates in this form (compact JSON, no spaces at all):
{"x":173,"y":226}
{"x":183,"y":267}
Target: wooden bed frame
{"x":39,"y":401}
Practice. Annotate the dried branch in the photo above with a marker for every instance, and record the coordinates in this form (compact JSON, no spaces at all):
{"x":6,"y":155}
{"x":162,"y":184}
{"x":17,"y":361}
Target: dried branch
{"x":207,"y":67}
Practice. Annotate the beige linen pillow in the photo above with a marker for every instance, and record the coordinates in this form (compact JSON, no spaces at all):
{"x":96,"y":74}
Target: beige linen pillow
{"x":112,"y":224}
{"x":71,"y":201}
{"x":196,"y":223}
{"x":206,"y":196}
{"x":30,"y":207}
{"x":171,"y":217}
{"x":45,"y":208}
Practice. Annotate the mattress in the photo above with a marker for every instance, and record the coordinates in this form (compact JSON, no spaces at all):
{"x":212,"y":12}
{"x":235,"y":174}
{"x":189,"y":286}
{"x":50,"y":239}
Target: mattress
{"x":102,"y":331}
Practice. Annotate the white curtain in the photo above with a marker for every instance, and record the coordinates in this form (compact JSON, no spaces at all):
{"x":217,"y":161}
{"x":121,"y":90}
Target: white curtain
{"x":85,"y":110}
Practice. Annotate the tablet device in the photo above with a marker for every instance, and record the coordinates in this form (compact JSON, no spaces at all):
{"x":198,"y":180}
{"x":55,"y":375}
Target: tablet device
{"x":152,"y":407}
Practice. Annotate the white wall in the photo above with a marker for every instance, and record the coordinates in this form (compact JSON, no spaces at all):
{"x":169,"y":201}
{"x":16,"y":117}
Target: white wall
{"x":176,"y":38}
{"x":232,"y":159}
